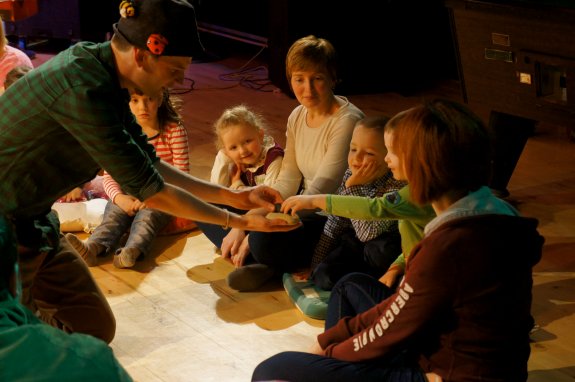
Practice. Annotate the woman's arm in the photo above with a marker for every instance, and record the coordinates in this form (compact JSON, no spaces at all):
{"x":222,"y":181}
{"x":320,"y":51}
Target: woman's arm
{"x":290,"y":176}
{"x":331,"y":155}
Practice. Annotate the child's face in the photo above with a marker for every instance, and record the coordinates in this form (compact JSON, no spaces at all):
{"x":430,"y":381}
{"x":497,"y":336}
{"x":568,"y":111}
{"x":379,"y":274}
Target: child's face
{"x":243,"y":144}
{"x":144,"y":108}
{"x":367,"y":146}
{"x":392,"y":159}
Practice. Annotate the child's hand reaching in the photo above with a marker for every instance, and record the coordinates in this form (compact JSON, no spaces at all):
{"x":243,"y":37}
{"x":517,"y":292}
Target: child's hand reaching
{"x":129,"y":204}
{"x":296,"y":203}
{"x":365,"y":174}
{"x":73,"y":196}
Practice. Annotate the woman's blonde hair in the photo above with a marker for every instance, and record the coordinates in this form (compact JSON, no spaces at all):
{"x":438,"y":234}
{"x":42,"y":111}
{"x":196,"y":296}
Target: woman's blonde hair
{"x":237,"y":115}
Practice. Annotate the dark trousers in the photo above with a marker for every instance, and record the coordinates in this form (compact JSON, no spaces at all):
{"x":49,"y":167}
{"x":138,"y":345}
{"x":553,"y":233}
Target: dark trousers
{"x":288,"y":251}
{"x":306,"y":367}
{"x":352,"y":255}
{"x":353,"y":294}
{"x":59,"y":287}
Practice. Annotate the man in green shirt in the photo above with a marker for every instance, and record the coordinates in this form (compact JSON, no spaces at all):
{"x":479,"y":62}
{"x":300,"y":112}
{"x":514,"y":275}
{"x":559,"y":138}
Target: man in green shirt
{"x":68,"y":119}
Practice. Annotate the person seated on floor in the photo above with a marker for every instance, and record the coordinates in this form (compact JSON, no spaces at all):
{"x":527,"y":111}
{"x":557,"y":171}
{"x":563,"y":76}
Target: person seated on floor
{"x":364,"y":211}
{"x":57,"y":356}
{"x":396,"y":205}
{"x":10,"y":58}
{"x":161,"y":122}
{"x":462,"y":311}
{"x":317,"y":141}
{"x":247,"y":156}
{"x":357,"y":245}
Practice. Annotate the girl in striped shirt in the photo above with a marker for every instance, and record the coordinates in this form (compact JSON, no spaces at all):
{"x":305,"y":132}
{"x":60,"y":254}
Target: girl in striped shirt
{"x":162,"y":123}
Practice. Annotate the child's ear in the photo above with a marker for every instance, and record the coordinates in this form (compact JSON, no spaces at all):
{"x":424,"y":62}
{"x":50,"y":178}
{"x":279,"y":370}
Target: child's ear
{"x":261,"y":134}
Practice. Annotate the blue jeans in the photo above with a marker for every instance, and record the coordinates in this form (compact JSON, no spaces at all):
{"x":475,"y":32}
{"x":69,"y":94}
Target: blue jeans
{"x":352,"y":255}
{"x":144,"y":227}
{"x":306,"y":367}
{"x":353,"y":294}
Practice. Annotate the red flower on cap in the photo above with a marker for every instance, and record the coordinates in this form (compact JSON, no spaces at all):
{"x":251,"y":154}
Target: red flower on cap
{"x":156,"y":43}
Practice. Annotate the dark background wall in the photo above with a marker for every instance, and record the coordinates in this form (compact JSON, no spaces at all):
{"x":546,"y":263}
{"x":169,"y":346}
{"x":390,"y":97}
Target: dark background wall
{"x":385,"y":45}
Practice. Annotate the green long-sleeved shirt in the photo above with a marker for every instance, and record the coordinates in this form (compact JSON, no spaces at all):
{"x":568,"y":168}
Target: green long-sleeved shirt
{"x":61,"y":124}
{"x":393,"y":205}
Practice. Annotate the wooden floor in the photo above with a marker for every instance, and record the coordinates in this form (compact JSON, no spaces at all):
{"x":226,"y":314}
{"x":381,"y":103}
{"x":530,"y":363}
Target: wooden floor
{"x":177,"y":320}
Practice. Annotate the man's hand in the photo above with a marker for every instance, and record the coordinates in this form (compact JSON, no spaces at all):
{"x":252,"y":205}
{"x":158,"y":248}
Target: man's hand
{"x":259,"y":196}
{"x":257,"y":222}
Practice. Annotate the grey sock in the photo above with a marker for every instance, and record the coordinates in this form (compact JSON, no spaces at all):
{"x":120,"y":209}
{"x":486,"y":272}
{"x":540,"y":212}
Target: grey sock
{"x":88,"y":251}
{"x":126,"y":257}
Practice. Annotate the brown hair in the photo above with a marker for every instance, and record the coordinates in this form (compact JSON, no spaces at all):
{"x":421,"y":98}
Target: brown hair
{"x":237,"y":115}
{"x":314,"y":53}
{"x":375,"y":122}
{"x":169,"y":110}
{"x":443,"y":146}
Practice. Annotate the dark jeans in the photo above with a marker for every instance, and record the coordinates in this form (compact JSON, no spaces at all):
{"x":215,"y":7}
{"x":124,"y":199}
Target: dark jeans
{"x":352,"y":255}
{"x":353,"y":294}
{"x":288,"y":251}
{"x":306,"y":367}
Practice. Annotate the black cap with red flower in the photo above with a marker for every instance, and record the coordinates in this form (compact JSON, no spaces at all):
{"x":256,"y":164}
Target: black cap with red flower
{"x":164,"y":27}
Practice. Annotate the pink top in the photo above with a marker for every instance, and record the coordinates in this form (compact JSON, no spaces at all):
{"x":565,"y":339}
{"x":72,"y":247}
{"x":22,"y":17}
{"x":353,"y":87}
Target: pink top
{"x":11,"y":58}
